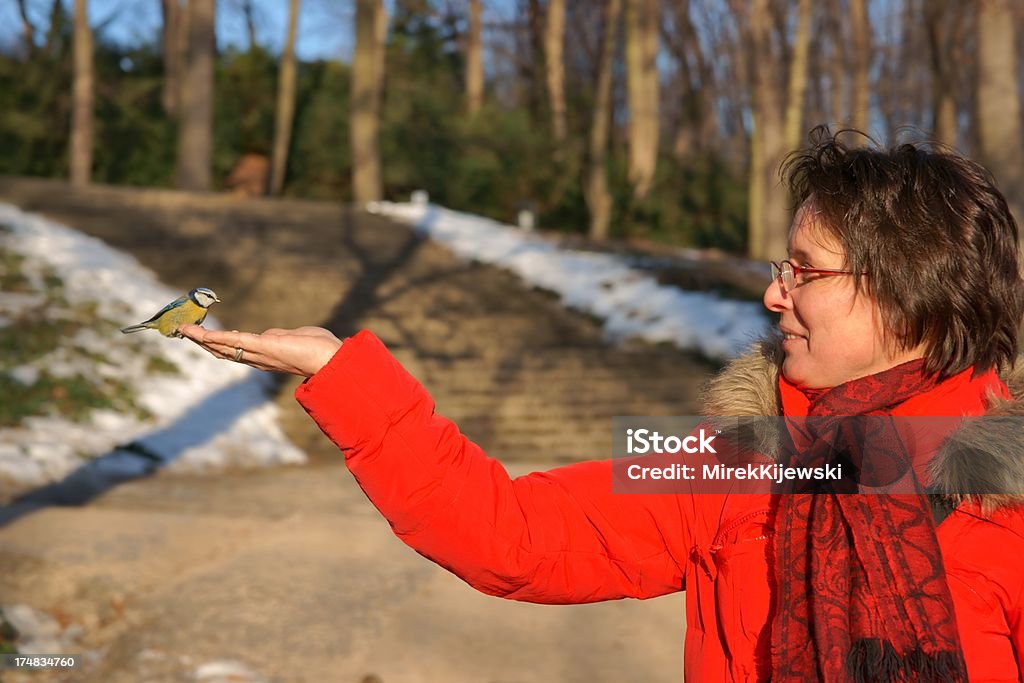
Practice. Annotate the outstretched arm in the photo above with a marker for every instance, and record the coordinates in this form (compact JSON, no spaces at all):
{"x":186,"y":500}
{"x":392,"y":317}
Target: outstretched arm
{"x":560,"y":536}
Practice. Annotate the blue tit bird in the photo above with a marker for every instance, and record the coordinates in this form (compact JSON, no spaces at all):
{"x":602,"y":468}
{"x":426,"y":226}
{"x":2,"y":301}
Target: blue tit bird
{"x":190,"y":308}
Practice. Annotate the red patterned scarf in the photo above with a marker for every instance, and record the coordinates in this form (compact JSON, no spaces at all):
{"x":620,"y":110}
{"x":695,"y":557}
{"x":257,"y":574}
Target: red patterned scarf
{"x":862,"y":593}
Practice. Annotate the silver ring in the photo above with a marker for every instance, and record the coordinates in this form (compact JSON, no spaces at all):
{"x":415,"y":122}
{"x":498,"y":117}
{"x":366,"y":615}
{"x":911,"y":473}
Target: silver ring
{"x":238,"y":354}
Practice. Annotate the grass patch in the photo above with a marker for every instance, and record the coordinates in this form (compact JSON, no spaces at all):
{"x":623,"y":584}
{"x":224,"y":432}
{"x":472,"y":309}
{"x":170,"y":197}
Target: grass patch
{"x":7,"y":633}
{"x":96,"y":358}
{"x":155,"y":365}
{"x":52,"y":281}
{"x":32,"y":336}
{"x":12,"y":277}
{"x":71,"y":397}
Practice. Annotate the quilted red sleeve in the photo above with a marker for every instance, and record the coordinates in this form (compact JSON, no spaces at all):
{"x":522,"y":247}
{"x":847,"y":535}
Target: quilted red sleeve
{"x":559,"y":536}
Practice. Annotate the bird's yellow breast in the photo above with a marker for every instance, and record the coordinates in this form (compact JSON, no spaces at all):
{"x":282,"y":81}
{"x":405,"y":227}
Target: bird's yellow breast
{"x":187,"y":313}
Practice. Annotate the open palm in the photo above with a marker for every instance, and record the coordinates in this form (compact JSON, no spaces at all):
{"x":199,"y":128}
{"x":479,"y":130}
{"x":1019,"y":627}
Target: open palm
{"x":301,"y":351}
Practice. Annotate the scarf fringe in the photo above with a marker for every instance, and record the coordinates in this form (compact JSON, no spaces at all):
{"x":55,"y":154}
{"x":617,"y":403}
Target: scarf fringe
{"x":872,"y":660}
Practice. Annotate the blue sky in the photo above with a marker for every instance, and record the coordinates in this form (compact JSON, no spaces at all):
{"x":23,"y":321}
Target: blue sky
{"x":325,"y":26}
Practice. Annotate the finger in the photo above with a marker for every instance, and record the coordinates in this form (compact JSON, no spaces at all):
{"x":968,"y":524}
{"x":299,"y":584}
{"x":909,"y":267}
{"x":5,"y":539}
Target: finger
{"x":196,"y":333}
{"x":223,"y":350}
{"x":277,"y":332}
{"x":204,"y":346}
{"x":234,"y":339}
{"x":251,"y":358}
{"x":193,"y":332}
{"x":201,"y":334}
{"x":221,"y":353}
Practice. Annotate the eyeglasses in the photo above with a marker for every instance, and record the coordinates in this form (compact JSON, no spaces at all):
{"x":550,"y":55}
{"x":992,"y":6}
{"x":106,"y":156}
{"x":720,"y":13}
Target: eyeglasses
{"x":790,"y":275}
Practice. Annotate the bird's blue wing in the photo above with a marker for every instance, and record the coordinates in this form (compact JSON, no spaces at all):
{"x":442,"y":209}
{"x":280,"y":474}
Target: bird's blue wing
{"x":174,"y":304}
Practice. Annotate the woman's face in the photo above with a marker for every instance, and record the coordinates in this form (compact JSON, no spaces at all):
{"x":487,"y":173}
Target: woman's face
{"x":832,"y":335}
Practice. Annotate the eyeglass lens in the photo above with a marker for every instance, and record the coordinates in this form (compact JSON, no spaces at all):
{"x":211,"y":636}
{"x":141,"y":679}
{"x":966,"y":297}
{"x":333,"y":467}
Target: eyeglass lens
{"x":783,"y":271}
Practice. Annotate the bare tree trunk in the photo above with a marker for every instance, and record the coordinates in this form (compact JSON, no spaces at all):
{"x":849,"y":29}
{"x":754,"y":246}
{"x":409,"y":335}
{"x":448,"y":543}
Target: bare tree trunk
{"x":599,"y":199}
{"x":367,"y":85}
{"x":755,"y":194}
{"x":56,"y":29}
{"x":943,"y":102}
{"x":861,"y":27}
{"x":817,"y":102}
{"x":170,"y":87}
{"x":28,"y":31}
{"x":285,"y":104}
{"x":769,"y":220}
{"x":687,"y":136}
{"x":82,"y":107}
{"x":554,"y":44}
{"x":902,"y":85}
{"x":195,"y":131}
{"x":798,"y":77}
{"x":697,"y":128}
{"x":710,"y":131}
{"x":839,"y":92}
{"x":532,"y":63}
{"x":642,"y":86}
{"x":175,"y":52}
{"x":474,"y":60}
{"x":737,"y":90}
{"x":999,"y":100}
{"x":250,"y":22}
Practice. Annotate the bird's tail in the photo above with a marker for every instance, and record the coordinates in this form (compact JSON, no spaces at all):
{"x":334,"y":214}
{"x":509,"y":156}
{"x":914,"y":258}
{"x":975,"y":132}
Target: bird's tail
{"x":134,"y":328}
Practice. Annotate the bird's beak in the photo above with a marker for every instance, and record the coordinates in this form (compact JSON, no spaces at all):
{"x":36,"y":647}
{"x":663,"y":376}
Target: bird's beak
{"x":216,"y":300}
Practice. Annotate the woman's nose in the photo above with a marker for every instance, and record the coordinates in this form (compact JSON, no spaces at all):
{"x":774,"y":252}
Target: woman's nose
{"x":776,"y":299}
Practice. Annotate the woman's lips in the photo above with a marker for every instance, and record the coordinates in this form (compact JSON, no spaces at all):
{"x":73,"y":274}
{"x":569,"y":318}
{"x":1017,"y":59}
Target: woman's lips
{"x":790,"y":337}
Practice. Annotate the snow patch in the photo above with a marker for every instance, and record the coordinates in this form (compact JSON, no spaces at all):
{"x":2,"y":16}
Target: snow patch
{"x":630,"y":302}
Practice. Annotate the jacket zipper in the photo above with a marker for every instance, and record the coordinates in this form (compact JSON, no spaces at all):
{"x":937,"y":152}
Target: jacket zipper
{"x":716,"y":544}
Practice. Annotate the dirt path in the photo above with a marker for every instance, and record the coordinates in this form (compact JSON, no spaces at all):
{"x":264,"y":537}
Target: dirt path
{"x":292,"y":571}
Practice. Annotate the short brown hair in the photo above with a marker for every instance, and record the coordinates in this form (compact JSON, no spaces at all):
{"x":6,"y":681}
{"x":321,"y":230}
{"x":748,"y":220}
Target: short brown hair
{"x":935,"y":237}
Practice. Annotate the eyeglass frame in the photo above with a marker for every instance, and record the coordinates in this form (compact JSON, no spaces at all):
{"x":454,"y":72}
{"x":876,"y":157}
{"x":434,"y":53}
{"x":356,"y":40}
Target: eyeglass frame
{"x":778,"y":273}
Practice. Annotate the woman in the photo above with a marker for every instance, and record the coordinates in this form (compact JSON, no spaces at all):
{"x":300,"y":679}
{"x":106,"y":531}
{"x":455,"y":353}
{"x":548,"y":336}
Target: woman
{"x":901,"y":297}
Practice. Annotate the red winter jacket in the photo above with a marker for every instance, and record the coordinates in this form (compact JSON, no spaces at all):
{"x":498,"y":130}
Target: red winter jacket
{"x":562,"y":536}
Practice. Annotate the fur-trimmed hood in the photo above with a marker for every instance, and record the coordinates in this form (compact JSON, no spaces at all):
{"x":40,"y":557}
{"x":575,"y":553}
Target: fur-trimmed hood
{"x":981,"y":460}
